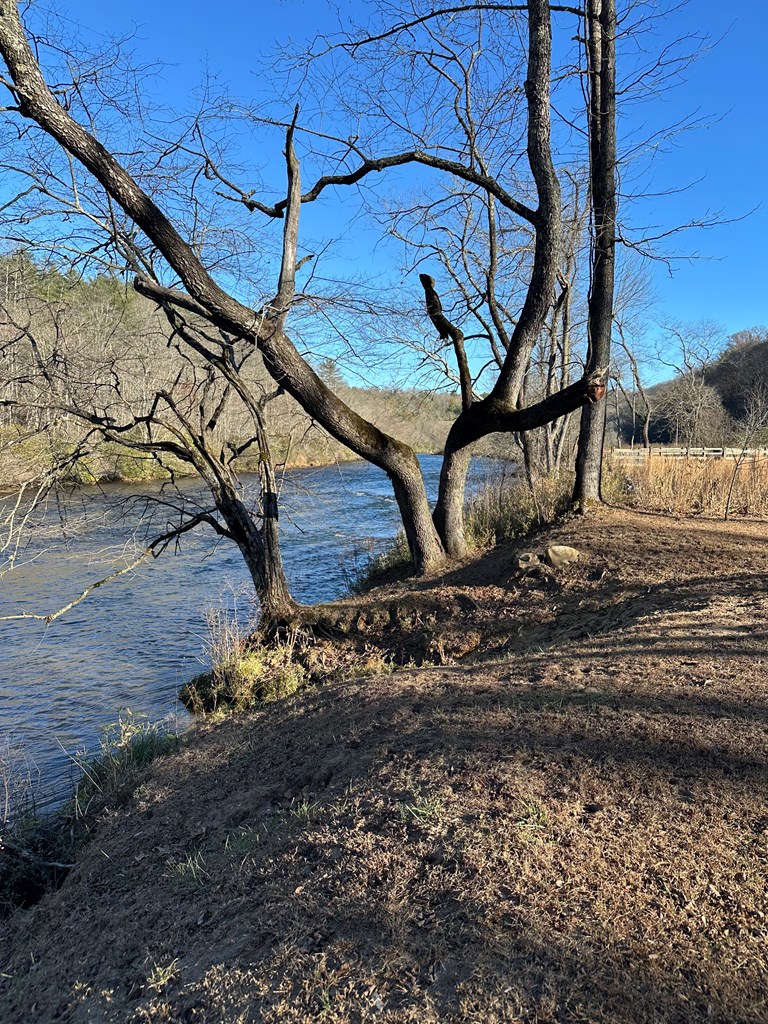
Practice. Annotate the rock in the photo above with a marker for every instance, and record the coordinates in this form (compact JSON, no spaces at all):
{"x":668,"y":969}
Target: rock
{"x":559,"y":555}
{"x":527,"y":560}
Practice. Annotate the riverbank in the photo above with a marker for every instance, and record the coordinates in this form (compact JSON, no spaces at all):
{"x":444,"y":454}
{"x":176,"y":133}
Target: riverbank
{"x":63,"y":683}
{"x":564,"y":821}
{"x":112,"y":464}
{"x":24,"y":458}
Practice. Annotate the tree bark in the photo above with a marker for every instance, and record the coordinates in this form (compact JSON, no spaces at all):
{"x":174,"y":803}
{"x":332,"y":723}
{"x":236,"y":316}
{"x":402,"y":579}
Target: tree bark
{"x":267,"y":574}
{"x":601,"y":56}
{"x":449,"y":511}
{"x":277,"y":603}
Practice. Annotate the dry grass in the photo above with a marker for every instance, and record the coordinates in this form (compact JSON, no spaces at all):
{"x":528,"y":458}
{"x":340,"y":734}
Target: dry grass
{"x":503,"y":511}
{"x":259,"y":676}
{"x":36,"y":848}
{"x":242,"y":674}
{"x":693,"y":486}
{"x":249,"y":670}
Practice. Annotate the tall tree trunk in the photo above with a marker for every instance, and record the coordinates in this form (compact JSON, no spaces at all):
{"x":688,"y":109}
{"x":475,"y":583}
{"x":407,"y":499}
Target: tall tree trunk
{"x":449,"y":511}
{"x":601,"y":56}
{"x":277,"y":603}
{"x":499,"y":411}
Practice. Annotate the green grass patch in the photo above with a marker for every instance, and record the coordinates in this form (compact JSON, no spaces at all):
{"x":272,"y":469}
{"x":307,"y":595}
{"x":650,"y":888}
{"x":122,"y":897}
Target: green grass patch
{"x":126,"y":749}
{"x":37,"y":850}
{"x":236,"y":683}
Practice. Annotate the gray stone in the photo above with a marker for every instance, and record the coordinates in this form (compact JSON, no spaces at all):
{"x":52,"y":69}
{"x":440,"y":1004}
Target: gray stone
{"x":527,"y":560}
{"x":559,"y":555}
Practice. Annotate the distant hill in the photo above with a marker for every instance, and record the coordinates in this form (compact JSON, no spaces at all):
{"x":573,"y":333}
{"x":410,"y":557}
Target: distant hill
{"x":706,"y":407}
{"x":742,"y":367}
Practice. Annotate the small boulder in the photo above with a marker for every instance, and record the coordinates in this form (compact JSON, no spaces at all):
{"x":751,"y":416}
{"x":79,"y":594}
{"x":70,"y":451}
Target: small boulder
{"x":527,"y":560}
{"x":559,"y":555}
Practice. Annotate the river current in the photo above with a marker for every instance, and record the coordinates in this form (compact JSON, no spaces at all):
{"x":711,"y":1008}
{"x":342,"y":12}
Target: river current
{"x":134,"y":642}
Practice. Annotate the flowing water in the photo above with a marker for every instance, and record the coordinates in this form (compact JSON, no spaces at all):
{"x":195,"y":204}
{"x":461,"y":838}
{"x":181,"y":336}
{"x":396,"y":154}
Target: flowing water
{"x":134,"y":642}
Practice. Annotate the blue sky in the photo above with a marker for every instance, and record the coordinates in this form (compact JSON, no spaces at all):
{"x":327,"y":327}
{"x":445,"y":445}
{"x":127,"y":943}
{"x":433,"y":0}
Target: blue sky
{"x":726,"y":161}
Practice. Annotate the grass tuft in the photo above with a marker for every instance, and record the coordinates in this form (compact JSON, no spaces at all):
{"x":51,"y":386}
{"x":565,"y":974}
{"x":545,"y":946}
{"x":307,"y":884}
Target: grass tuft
{"x":36,"y":849}
{"x":162,"y":974}
{"x":190,"y":870}
{"x":422,"y":808}
{"x":509,"y":509}
{"x":126,"y":748}
{"x":261,"y":676}
{"x":244,"y":673}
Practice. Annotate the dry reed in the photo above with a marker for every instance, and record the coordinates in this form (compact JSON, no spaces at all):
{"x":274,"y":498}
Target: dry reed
{"x":709,"y":487}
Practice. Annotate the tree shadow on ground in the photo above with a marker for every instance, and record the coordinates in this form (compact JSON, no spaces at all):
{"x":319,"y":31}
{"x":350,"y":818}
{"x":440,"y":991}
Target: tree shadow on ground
{"x":430,"y":846}
{"x":572,"y":828}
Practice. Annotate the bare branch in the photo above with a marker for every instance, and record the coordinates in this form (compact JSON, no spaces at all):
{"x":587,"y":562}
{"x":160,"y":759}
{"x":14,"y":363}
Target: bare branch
{"x":286,"y":288}
{"x":449,"y":331}
{"x":405,"y":26}
{"x":152,"y":550}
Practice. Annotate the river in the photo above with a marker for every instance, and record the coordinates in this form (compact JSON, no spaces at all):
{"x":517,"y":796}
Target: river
{"x":134,"y":642}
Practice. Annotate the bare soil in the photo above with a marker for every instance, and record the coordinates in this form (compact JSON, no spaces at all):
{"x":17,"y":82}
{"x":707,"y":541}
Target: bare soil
{"x":565,"y":821}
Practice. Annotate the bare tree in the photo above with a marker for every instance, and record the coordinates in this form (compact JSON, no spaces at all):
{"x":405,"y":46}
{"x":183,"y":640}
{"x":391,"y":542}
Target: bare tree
{"x":500,"y":255}
{"x":205,"y":298}
{"x":601,"y":31}
{"x":689,"y":409}
{"x":636,"y":396}
{"x":753,"y":427}
{"x":87,"y":382}
{"x":265,"y":326}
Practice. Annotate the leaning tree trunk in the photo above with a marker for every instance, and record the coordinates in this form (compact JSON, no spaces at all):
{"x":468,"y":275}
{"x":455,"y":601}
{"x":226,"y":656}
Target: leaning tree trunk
{"x":426,"y":548}
{"x":276,"y":601}
{"x":601,"y":56}
{"x":261,"y":553}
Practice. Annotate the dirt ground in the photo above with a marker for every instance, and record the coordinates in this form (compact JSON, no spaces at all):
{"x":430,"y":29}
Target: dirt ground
{"x":565,"y":821}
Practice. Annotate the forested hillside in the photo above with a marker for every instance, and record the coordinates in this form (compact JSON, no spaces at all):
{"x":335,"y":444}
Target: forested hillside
{"x":110,"y":349}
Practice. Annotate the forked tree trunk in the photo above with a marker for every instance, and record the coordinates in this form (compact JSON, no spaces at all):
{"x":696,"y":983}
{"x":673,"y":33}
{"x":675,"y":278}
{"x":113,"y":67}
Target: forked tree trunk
{"x":499,"y":411}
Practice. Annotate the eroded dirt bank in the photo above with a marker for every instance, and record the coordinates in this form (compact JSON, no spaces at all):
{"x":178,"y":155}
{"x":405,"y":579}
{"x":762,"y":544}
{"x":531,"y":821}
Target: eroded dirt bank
{"x":565,"y":821}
